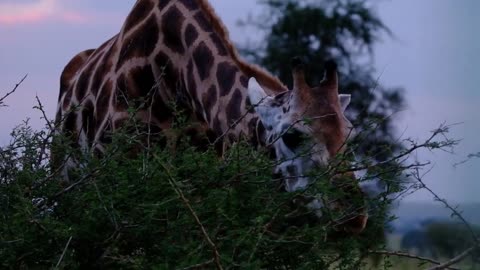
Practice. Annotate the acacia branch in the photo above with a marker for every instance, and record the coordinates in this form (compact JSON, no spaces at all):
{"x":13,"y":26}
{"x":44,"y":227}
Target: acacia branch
{"x":455,"y":212}
{"x":458,"y":258}
{"x":12,"y":91}
{"x":427,"y":144}
{"x":63,"y":253}
{"x":200,"y":265}
{"x":51,"y":130}
{"x":410,"y":256}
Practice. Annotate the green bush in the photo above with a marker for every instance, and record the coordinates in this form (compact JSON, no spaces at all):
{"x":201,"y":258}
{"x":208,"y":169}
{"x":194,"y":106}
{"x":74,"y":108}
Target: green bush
{"x":163,"y":208}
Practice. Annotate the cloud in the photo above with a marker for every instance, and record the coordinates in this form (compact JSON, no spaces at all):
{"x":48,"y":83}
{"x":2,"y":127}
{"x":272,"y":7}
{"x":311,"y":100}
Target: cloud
{"x":14,"y":13}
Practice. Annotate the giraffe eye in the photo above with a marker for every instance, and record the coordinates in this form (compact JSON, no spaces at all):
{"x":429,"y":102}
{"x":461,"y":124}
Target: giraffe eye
{"x":293,"y":138}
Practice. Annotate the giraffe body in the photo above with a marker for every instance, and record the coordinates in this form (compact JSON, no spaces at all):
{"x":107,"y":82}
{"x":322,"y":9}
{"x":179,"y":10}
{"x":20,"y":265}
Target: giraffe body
{"x":179,"y":51}
{"x":173,"y":50}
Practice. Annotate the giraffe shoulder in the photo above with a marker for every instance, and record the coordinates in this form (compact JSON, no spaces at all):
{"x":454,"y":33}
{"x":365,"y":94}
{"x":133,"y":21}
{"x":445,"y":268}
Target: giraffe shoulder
{"x":73,"y":66}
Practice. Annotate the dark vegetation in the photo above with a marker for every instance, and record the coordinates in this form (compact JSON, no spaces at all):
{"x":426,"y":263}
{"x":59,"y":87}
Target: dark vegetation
{"x":440,"y":239}
{"x":170,"y":208}
{"x":184,"y":208}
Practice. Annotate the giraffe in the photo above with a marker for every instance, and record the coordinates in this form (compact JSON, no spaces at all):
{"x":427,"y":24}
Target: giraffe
{"x":180,"y":51}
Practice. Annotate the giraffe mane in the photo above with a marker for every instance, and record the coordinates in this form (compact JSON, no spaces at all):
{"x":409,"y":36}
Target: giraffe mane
{"x":266,"y":79}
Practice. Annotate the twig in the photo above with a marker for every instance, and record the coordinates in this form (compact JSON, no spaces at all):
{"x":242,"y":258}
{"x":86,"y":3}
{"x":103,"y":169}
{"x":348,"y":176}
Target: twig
{"x":12,"y":241}
{"x":69,"y":188}
{"x":469,"y":157}
{"x":197,"y":219}
{"x":63,"y":253}
{"x":458,"y":258}
{"x":79,"y":182}
{"x":417,"y":176}
{"x":407,"y":255}
{"x":456,"y":213}
{"x":41,"y":108}
{"x":51,"y":130}
{"x":200,"y":265}
{"x":12,"y":91}
{"x":428,"y":144}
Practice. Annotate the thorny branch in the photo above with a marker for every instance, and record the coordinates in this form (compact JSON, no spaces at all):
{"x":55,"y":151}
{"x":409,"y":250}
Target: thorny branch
{"x":458,"y":258}
{"x":428,"y":144}
{"x":454,"y":211}
{"x":2,"y":99}
{"x":408,"y":255}
{"x":63,"y":253}
{"x":469,"y":157}
{"x":51,"y":130}
{"x":418,"y":177}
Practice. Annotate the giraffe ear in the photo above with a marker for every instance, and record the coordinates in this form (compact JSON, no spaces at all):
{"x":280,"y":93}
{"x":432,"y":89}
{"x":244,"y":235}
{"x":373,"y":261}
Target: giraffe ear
{"x":344,"y":100}
{"x":255,"y":92}
{"x":259,"y":98}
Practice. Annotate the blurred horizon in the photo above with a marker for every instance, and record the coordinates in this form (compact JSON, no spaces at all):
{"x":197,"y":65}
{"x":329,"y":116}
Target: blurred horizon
{"x":431,"y":54}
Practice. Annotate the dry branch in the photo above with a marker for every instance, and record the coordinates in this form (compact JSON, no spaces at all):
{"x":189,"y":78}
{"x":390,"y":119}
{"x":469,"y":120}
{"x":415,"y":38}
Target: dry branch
{"x":12,"y":91}
{"x":63,"y":253}
{"x":458,"y":258}
{"x":410,"y":256}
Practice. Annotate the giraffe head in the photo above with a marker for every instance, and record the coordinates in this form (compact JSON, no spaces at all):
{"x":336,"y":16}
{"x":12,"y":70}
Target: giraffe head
{"x":306,"y":127}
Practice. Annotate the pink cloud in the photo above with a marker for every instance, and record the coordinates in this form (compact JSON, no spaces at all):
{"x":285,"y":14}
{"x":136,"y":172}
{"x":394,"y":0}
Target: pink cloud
{"x":38,"y":11}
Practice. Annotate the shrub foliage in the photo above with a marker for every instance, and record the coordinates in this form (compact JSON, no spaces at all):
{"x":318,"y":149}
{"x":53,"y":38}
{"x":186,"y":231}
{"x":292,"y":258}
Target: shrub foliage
{"x":164,"y":208}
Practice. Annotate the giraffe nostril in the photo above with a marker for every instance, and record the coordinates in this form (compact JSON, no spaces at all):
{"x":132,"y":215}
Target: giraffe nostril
{"x":292,"y":138}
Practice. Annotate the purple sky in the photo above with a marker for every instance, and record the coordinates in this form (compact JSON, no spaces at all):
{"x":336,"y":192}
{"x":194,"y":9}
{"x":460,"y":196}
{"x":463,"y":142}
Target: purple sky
{"x":432,"y":55}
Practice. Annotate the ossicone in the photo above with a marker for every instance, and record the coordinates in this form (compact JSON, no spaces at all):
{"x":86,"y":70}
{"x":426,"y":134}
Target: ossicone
{"x":330,"y":78}
{"x":298,"y":74}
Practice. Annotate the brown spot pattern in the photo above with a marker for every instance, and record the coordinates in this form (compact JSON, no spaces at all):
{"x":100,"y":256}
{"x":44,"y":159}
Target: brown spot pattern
{"x":226,"y":73}
{"x":173,"y":20}
{"x":102,"y":70}
{"x":88,"y":121}
{"x":191,"y":84}
{"x":234,"y":106}
{"x":244,"y":81}
{"x":71,"y":69}
{"x":102,"y":102}
{"x":140,"y":43}
{"x":139,"y":12}
{"x":68,"y":98}
{"x":191,"y":34}
{"x":83,"y":81}
{"x":169,"y":73}
{"x":143,"y":80}
{"x":221,"y":50}
{"x":190,"y":4}
{"x":209,"y":99}
{"x":203,"y":22}
{"x":162,"y":4}
{"x":203,"y":58}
